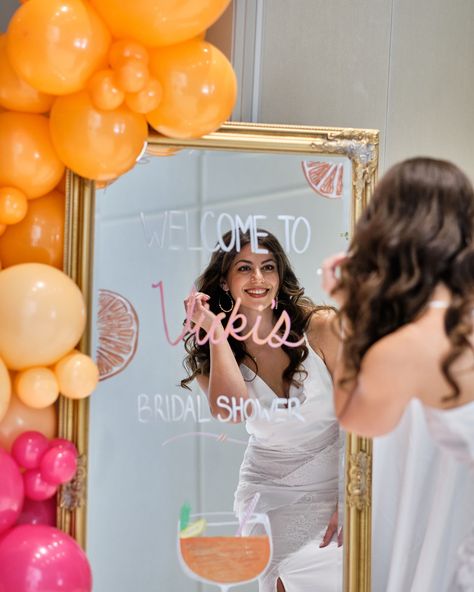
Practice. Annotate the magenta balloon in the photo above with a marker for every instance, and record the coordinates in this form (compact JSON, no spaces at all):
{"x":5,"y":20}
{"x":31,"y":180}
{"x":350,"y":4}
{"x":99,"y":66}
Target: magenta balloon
{"x":36,"y":488}
{"x":11,"y":491}
{"x":58,"y":465}
{"x":37,"y":558}
{"x":63,"y":443}
{"x":28,"y":449}
{"x":43,"y":512}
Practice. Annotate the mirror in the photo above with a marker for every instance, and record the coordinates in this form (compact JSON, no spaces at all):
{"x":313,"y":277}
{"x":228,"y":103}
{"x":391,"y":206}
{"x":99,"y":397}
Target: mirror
{"x":154,"y":501}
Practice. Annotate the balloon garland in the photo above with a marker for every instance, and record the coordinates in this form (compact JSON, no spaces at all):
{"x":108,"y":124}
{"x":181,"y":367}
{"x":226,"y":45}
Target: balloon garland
{"x":80,"y":82}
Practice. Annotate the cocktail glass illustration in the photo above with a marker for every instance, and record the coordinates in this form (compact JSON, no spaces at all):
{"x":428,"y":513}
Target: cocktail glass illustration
{"x":213,"y":550}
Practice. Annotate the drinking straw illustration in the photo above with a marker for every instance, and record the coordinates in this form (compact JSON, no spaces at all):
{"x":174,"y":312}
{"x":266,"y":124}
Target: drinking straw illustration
{"x":249,"y":510}
{"x":184,"y":516}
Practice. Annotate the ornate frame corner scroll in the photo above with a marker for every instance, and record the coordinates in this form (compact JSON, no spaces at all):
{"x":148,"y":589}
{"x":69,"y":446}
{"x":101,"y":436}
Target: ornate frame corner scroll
{"x":361,"y":147}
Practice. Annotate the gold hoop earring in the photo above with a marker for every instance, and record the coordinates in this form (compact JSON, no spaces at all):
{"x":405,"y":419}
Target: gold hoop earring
{"x":227,"y":293}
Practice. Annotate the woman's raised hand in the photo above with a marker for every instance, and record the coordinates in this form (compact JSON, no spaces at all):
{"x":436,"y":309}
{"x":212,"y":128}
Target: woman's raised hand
{"x":198,"y":310}
{"x":330,"y":277}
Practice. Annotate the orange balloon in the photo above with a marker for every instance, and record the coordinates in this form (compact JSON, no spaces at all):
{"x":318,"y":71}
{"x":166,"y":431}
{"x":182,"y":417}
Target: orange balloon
{"x":3,"y":228}
{"x":13,"y":205}
{"x":20,"y":418}
{"x":42,"y":315}
{"x":97,"y":144}
{"x":28,"y":160}
{"x":147,"y":99}
{"x":77,"y":375}
{"x":39,"y":237}
{"x":199,"y":89}
{"x":132,"y":75}
{"x":5,"y":389}
{"x":15,"y":93}
{"x":125,"y":48}
{"x":157,"y":23}
{"x":55,"y":45}
{"x":37,"y":387}
{"x":104,"y":90}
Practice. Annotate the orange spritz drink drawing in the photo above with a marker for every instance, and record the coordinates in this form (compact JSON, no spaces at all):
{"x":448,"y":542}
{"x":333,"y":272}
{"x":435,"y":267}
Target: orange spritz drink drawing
{"x":219,"y":555}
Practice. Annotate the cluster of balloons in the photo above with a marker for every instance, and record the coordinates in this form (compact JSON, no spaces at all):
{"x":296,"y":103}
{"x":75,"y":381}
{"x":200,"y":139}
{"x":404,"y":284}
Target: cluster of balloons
{"x":30,"y":478}
{"x":34,"y":555}
{"x":42,"y":317}
{"x":82,"y":79}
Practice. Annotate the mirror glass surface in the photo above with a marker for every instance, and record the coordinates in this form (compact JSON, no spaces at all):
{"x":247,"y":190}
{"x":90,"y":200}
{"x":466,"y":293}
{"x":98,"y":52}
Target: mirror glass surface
{"x":155,"y":449}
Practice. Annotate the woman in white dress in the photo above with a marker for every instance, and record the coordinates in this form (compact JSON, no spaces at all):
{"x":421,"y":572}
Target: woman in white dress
{"x":406,"y":296}
{"x":274,"y":374}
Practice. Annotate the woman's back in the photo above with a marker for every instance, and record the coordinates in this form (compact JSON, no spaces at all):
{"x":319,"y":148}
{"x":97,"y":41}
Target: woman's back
{"x":430,"y":344}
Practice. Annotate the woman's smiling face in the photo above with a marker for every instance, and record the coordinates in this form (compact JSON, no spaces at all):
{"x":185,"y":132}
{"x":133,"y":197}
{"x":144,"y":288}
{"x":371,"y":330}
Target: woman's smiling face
{"x":253,"y":277}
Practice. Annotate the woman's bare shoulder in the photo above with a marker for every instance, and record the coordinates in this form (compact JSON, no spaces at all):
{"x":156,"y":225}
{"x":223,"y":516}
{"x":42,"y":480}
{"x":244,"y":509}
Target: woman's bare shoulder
{"x":323,"y":336}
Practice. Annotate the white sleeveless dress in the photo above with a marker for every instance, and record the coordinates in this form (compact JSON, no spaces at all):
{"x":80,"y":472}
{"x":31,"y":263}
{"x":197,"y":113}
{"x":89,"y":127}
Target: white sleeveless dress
{"x":292,"y":460}
{"x":453,"y":430}
{"x":423,"y":502}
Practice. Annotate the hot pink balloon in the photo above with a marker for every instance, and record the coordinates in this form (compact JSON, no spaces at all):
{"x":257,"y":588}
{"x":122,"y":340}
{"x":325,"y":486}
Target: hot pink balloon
{"x":11,"y":491}
{"x":37,"y":558}
{"x":64,"y":443}
{"x":28,"y":449}
{"x":43,"y":512}
{"x":36,"y":488}
{"x":58,"y":465}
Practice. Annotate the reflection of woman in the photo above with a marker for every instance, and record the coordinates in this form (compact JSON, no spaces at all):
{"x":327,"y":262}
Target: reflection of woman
{"x":406,"y":292}
{"x":292,"y":454}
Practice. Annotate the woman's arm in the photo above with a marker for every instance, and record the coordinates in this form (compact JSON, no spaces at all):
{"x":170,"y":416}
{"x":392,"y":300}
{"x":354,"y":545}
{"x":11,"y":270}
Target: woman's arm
{"x":225,"y":387}
{"x":372,"y":403}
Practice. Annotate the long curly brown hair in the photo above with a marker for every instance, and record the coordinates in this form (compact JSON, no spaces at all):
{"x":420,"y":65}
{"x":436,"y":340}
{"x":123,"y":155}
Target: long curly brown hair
{"x":416,"y":232}
{"x":291,"y":298}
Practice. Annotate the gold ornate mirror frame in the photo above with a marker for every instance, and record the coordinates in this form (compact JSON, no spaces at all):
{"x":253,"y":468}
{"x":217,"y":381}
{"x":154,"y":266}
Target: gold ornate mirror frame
{"x":361,"y":147}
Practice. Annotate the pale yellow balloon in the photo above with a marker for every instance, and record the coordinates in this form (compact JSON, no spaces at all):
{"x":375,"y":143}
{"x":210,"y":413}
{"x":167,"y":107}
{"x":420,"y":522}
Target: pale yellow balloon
{"x":77,"y":375}
{"x":20,"y":418}
{"x":37,"y":387}
{"x":42,"y":315}
{"x":5,"y":389}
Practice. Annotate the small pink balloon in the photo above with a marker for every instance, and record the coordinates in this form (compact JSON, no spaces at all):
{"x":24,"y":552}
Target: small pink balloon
{"x":11,"y":491}
{"x":37,"y":558}
{"x":28,"y":449}
{"x":42,"y":512}
{"x":64,"y":443}
{"x":58,"y":465}
{"x":36,"y":488}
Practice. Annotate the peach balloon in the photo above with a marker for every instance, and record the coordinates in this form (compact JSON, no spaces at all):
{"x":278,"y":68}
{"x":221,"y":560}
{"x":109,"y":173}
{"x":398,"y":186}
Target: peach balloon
{"x":96,"y":144}
{"x":28,"y":160}
{"x":147,"y":99}
{"x":42,"y":315}
{"x":37,"y":387}
{"x":5,"y":389}
{"x":199,"y":89}
{"x":39,"y":237}
{"x":20,"y":418}
{"x":13,"y":205}
{"x":157,"y":23}
{"x":132,"y":75}
{"x":77,"y":375}
{"x":56,"y":45}
{"x":15,"y":93}
{"x":104,"y":91}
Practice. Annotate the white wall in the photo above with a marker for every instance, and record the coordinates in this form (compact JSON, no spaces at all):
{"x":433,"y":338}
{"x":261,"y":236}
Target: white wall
{"x":404,"y":67}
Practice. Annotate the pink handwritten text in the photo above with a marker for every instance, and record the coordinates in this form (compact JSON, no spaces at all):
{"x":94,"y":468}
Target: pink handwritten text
{"x":235,"y":327}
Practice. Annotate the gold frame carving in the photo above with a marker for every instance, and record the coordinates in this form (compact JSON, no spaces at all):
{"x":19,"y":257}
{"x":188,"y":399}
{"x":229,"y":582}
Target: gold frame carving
{"x":361,"y":147}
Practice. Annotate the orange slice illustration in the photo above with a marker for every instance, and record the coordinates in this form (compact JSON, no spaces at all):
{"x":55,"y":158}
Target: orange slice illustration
{"x":118,"y":328}
{"x":324,"y":178}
